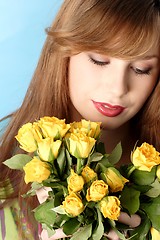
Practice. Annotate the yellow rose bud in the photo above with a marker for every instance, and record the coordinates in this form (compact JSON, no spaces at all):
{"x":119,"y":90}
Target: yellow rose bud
{"x":80,"y":145}
{"x":26,"y":137}
{"x":55,"y":147}
{"x":91,"y":129}
{"x":155,"y":234}
{"x":88,"y":174}
{"x":158,"y":172}
{"x":73,"y":204}
{"x":110,"y":207}
{"x":37,"y":132}
{"x":36,"y":171}
{"x":114,"y":179}
{"x":48,"y":149}
{"x":53,"y":127}
{"x":75,"y":182}
{"x":97,"y":191}
{"x":145,"y":157}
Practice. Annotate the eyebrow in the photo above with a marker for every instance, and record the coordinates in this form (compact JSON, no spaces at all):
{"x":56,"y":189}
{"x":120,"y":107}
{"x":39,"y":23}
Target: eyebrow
{"x":151,"y":56}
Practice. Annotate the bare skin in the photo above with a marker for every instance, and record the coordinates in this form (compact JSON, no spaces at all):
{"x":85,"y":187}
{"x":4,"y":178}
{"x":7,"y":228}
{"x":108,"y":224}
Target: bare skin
{"x":94,"y":83}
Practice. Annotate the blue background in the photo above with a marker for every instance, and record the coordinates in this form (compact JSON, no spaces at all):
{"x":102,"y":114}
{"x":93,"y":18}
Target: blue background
{"x":22,"y":34}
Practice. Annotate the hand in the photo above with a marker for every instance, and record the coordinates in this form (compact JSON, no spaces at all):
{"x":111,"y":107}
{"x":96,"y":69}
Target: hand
{"x":58,"y":235}
{"x":132,"y":221}
{"x":42,"y":195}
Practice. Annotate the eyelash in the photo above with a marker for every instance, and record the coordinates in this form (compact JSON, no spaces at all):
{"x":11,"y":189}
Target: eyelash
{"x":141,"y":72}
{"x":98,"y":63}
{"x":136,"y":70}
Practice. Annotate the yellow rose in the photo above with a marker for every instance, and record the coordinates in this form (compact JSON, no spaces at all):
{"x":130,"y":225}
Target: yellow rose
{"x":88,"y":174}
{"x":73,"y":204}
{"x":145,"y":157}
{"x":158,"y":172}
{"x":75,"y":182}
{"x":36,"y":171}
{"x":114,"y":179}
{"x":97,"y":191}
{"x":48,"y":149}
{"x":110,"y":207}
{"x":53,"y":127}
{"x":79,"y":145}
{"x":91,"y":129}
{"x":155,"y":234}
{"x":27,"y":138}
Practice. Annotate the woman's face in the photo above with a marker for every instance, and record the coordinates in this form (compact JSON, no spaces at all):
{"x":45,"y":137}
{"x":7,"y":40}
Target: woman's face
{"x":108,"y":89}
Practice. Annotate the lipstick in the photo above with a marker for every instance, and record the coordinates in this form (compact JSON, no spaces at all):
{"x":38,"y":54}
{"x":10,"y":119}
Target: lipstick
{"x":107,"y":109}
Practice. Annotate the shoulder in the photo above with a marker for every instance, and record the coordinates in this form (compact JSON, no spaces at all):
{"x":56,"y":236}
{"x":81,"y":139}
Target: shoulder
{"x":3,"y":124}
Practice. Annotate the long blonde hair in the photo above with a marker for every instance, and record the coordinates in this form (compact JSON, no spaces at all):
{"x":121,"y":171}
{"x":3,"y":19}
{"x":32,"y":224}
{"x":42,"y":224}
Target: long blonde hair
{"x":120,"y":28}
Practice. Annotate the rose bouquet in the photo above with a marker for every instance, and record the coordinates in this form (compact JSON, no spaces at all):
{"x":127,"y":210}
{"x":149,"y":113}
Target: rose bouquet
{"x":87,"y":190}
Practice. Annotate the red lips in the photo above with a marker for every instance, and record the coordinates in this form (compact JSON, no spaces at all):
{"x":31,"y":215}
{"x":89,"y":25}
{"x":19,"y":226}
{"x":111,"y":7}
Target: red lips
{"x":107,"y":109}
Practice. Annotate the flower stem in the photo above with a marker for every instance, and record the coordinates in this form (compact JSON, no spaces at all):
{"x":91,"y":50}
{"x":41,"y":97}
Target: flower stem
{"x":79,"y":165}
{"x":131,"y":170}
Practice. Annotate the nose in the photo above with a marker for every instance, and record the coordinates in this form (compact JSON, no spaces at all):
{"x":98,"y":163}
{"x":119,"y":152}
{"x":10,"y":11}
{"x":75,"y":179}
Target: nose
{"x":118,"y":78}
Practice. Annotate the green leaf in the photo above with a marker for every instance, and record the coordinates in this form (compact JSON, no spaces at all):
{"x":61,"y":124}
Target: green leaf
{"x":44,"y":213}
{"x":99,"y":231}
{"x":95,"y":157}
{"x":103,"y":164}
{"x":152,"y":209}
{"x":60,"y":220}
{"x":57,"y":185}
{"x":116,"y":154}
{"x":140,"y":232}
{"x":58,"y":198}
{"x":18,"y":161}
{"x":71,"y":226}
{"x":141,"y":188}
{"x":69,"y":160}
{"x":59,"y":210}
{"x":143,"y":177}
{"x":34,"y":186}
{"x":155,"y":190}
{"x":83,"y":233}
{"x":61,"y":162}
{"x":130,"y":199}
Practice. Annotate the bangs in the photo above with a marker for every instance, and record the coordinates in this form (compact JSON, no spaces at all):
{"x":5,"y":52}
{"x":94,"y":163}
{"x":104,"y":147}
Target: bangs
{"x":124,"y":30}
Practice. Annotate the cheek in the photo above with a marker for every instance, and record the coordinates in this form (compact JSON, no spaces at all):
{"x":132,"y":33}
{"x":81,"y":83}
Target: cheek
{"x":76,"y":84}
{"x":144,"y":90}
{"x":80,"y":78}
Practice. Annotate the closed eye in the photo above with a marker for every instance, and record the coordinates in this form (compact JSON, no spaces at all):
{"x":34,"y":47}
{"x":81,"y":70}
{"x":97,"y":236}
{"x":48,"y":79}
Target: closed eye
{"x":99,"y":63}
{"x":142,"y":71}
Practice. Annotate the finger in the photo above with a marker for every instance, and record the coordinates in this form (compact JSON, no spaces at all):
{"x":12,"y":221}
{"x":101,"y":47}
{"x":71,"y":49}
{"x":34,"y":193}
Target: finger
{"x":132,"y":221}
{"x":42,"y":194}
{"x":112,"y":235}
{"x":58,"y":234}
